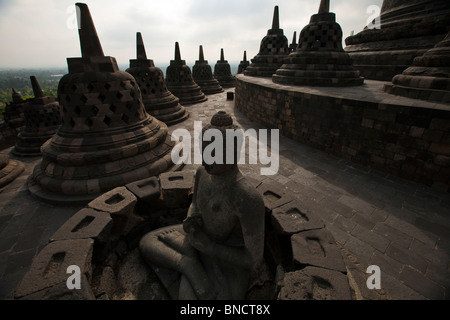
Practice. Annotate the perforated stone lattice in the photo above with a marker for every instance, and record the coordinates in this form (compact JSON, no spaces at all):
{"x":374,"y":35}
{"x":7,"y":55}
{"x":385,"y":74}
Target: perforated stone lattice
{"x":151,"y":83}
{"x":203,"y":76}
{"x":37,"y":118}
{"x":322,"y":36}
{"x":100,"y":105}
{"x":179,"y":74}
{"x":202,"y":72}
{"x":274,"y":45}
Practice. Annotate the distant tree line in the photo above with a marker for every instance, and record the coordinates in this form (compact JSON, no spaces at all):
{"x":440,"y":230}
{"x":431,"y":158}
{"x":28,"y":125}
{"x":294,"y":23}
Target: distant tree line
{"x":20,"y":81}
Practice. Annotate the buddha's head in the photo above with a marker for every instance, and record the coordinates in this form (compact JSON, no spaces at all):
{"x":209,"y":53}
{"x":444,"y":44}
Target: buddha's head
{"x":222,"y":122}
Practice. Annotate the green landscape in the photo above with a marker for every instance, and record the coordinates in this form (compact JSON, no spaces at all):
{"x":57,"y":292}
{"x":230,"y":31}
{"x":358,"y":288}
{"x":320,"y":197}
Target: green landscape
{"x":19,"y":79}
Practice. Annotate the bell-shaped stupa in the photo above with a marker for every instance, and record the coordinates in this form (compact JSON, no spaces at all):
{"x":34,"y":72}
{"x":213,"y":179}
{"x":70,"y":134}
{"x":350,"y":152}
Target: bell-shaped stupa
{"x":405,"y":29}
{"x":42,"y":120}
{"x":243,"y":64}
{"x":14,"y":111}
{"x":319,"y":59}
{"x":222,"y":72}
{"x":180,"y":82}
{"x":429,"y":76}
{"x":158,"y":100}
{"x":274,"y":48}
{"x":203,"y":76}
{"x":107,"y":139}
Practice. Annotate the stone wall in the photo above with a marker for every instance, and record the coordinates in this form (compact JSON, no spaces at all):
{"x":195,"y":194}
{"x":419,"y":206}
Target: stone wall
{"x":400,"y":136}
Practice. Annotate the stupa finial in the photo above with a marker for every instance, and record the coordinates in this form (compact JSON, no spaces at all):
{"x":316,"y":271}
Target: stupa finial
{"x":38,"y":93}
{"x":222,"y":55}
{"x":276,"y":19}
{"x":294,"y":40}
{"x":201,"y":55}
{"x":324,"y":6}
{"x":89,"y":41}
{"x":245,"y":56}
{"x":177,"y":52}
{"x":140,"y":48}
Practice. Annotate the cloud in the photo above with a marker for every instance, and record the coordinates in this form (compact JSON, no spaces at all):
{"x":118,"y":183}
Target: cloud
{"x":43,"y":33}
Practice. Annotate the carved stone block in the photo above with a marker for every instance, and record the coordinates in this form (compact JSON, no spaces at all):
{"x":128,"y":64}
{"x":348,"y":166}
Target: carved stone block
{"x":317,"y":248}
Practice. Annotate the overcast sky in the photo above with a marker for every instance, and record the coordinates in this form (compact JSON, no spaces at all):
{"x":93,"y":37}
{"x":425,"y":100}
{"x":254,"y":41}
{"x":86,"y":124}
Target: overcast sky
{"x":43,"y":33}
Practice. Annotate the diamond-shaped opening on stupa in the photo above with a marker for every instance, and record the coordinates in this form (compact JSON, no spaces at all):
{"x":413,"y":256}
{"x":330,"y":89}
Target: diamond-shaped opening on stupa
{"x":102,"y":97}
{"x":90,"y":87}
{"x":107,"y":120}
{"x":125,"y":119}
{"x":88,"y":122}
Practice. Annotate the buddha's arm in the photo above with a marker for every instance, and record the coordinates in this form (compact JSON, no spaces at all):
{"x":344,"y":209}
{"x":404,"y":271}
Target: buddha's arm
{"x":193,"y":219}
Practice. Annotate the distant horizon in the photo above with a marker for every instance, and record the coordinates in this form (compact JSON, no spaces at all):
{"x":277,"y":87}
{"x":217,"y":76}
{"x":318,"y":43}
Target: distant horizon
{"x":43,"y":34}
{"x":233,"y":65}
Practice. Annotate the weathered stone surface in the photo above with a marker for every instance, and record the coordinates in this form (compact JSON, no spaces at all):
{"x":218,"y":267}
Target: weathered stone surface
{"x":180,"y":82}
{"x":136,"y":278}
{"x":274,"y":195}
{"x":49,"y":267}
{"x":176,"y":188}
{"x":319,"y":59}
{"x":61,"y":292}
{"x":42,"y":120}
{"x":273,"y":49}
{"x":373,"y":127}
{"x":317,"y":248}
{"x":315,"y":284}
{"x":107,"y":138}
{"x":9,"y":170}
{"x":147,"y":190}
{"x":120,"y":204}
{"x":428,"y":78}
{"x":293,"y":218}
{"x":106,"y":285}
{"x":407,"y":30}
{"x":158,"y":100}
{"x":85,"y":224}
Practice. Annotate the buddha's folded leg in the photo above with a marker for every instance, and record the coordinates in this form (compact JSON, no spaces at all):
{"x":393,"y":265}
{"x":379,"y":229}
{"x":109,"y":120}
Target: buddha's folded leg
{"x":167,"y":248}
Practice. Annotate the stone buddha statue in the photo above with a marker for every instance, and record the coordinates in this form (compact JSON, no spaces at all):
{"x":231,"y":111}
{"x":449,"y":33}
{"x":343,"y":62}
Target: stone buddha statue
{"x":220,"y":245}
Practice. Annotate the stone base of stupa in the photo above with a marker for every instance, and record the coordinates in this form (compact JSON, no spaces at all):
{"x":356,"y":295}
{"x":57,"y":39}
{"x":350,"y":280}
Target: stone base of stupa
{"x":210,"y":86}
{"x":9,"y":170}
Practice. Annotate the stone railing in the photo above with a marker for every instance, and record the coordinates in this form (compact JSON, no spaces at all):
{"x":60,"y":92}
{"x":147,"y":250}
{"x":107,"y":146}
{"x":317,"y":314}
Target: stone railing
{"x":102,"y":241}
